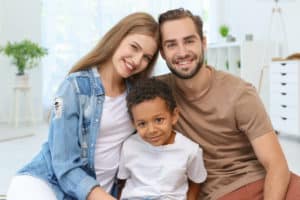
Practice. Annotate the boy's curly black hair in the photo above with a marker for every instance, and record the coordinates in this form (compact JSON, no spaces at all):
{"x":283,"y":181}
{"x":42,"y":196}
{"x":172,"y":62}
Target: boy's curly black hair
{"x":149,"y":89}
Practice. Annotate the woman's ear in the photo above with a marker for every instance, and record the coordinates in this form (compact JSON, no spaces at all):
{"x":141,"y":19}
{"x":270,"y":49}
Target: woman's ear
{"x":175,"y":116}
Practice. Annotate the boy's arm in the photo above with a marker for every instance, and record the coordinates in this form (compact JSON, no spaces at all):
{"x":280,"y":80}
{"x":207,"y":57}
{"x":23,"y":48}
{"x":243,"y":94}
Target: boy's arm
{"x":193,"y":190}
{"x":121,"y":184}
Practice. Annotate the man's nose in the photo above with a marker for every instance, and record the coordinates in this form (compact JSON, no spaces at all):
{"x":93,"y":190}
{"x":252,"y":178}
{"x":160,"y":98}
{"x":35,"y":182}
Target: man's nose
{"x":182,"y":51}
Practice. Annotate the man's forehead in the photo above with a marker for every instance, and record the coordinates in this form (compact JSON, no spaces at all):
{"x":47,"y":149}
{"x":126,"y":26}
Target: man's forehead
{"x":179,"y":28}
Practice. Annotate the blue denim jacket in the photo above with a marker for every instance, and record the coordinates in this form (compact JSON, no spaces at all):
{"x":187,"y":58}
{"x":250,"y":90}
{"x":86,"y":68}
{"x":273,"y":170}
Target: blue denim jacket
{"x":66,"y":160}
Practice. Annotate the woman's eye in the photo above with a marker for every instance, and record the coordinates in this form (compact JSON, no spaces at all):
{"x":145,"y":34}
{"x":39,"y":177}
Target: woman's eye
{"x":134,"y":47}
{"x":147,"y":59}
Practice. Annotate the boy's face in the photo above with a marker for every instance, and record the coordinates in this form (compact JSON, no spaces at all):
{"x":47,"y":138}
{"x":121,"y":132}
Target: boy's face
{"x":154,"y":121}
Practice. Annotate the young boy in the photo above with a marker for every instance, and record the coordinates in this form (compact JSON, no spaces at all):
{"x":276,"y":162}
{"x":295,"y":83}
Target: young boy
{"x":158,"y":162}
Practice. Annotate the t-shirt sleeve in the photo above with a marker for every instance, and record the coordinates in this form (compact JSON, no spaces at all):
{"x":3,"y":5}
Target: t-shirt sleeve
{"x":196,"y":171}
{"x":251,"y":116}
{"x":123,"y":172}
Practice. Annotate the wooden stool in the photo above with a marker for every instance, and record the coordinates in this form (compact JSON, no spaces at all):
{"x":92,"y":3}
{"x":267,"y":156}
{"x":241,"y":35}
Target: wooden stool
{"x":26,"y":102}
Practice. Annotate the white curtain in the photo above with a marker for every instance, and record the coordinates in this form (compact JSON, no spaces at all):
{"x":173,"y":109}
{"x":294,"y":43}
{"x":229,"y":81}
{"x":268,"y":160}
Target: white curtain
{"x":70,"y":28}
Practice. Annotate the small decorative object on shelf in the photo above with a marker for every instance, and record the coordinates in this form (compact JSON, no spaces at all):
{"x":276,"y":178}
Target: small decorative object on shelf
{"x":224,"y":30}
{"x":230,"y":38}
{"x":248,"y":37}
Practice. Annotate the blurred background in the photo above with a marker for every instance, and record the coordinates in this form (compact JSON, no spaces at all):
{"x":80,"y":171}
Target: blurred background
{"x":244,"y":38}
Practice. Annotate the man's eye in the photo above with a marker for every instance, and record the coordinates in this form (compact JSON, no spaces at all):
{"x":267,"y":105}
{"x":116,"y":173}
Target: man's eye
{"x":170,"y":45}
{"x":190,"y":41}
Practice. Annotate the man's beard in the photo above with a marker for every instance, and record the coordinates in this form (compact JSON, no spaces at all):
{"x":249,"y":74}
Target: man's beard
{"x":191,"y":74}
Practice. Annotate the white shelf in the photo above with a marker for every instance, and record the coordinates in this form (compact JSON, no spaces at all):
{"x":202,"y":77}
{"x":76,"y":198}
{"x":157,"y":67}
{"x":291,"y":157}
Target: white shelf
{"x":243,"y":59}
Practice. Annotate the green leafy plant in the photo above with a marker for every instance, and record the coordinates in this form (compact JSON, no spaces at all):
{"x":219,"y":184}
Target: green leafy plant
{"x":25,"y":54}
{"x":224,"y":30}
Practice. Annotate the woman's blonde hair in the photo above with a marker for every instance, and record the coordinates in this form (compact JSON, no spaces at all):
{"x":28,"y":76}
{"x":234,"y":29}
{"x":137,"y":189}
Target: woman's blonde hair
{"x":136,"y":23}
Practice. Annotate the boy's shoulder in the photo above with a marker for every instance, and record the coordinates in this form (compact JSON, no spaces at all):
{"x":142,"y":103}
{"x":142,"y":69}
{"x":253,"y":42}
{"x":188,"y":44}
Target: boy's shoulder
{"x":132,"y":140}
{"x":187,"y":142}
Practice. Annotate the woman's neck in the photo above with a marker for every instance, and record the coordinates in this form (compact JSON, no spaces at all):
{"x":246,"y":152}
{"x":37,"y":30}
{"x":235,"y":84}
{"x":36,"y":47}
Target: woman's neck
{"x":113,"y":83}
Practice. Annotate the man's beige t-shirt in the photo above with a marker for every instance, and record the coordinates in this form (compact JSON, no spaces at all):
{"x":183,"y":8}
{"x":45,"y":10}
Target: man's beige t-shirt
{"x":222,"y":121}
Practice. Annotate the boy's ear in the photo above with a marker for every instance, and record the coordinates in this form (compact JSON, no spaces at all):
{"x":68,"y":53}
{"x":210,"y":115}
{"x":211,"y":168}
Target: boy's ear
{"x":175,"y":116}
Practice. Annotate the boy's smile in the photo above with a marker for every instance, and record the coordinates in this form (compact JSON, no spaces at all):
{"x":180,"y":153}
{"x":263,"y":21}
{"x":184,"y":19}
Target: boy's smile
{"x":154,"y":121}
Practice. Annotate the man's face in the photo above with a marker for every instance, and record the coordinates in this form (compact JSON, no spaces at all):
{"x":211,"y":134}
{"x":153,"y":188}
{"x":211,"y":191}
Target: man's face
{"x":182,"y":47}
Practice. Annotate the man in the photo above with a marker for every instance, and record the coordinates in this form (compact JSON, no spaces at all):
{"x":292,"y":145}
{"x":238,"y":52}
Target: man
{"x":225,"y":116}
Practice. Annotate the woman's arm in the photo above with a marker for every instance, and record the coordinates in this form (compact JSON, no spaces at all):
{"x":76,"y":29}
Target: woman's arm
{"x":193,"y":190}
{"x":64,"y":143}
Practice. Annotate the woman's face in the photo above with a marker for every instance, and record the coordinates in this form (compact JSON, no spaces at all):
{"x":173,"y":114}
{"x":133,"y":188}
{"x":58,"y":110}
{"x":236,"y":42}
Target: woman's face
{"x":134,"y":54}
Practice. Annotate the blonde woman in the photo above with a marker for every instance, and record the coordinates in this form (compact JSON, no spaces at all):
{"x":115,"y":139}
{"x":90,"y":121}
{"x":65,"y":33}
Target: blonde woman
{"x":89,"y":119}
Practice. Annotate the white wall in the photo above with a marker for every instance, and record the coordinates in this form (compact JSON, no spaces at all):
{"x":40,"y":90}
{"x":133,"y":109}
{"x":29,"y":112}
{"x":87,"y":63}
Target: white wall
{"x":254,"y":16}
{"x":19,"y":20}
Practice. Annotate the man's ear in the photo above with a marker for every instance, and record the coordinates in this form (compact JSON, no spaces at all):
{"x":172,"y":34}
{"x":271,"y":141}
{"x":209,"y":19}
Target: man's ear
{"x":204,"y":42}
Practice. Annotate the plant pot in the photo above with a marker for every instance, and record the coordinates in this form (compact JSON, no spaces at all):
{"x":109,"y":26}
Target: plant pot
{"x":22,"y":80}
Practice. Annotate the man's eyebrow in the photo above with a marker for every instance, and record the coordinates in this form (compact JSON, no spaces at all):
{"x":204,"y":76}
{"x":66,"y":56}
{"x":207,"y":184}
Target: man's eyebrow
{"x":169,"y":41}
{"x":185,"y":38}
{"x":190,"y":37}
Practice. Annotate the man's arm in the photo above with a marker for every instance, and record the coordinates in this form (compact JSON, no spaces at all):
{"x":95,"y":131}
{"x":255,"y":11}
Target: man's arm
{"x":270,"y":155}
{"x":193,"y":191}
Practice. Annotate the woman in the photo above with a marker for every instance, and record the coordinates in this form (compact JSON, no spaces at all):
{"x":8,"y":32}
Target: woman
{"x":89,"y":119}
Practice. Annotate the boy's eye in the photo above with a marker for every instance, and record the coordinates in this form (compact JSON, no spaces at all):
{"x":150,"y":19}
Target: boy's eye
{"x":159,"y":120}
{"x":141,"y":124}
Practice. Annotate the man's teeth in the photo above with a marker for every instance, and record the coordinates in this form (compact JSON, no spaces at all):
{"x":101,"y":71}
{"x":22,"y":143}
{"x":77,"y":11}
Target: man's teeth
{"x":183,"y":62}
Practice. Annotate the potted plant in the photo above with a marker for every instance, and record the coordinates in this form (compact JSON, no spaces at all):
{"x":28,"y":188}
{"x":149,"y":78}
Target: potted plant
{"x":25,"y":55}
{"x":224,"y":30}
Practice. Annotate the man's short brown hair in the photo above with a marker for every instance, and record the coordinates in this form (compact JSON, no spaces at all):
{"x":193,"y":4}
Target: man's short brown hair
{"x":179,"y":14}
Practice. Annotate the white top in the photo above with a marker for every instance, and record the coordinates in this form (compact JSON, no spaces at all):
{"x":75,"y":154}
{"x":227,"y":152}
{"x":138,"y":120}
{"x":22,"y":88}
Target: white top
{"x":160,"y":172}
{"x":115,"y":127}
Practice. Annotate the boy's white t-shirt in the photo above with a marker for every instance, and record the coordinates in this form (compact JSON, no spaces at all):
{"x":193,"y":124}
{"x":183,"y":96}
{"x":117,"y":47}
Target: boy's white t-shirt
{"x":160,"y":172}
{"x":115,"y":127}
